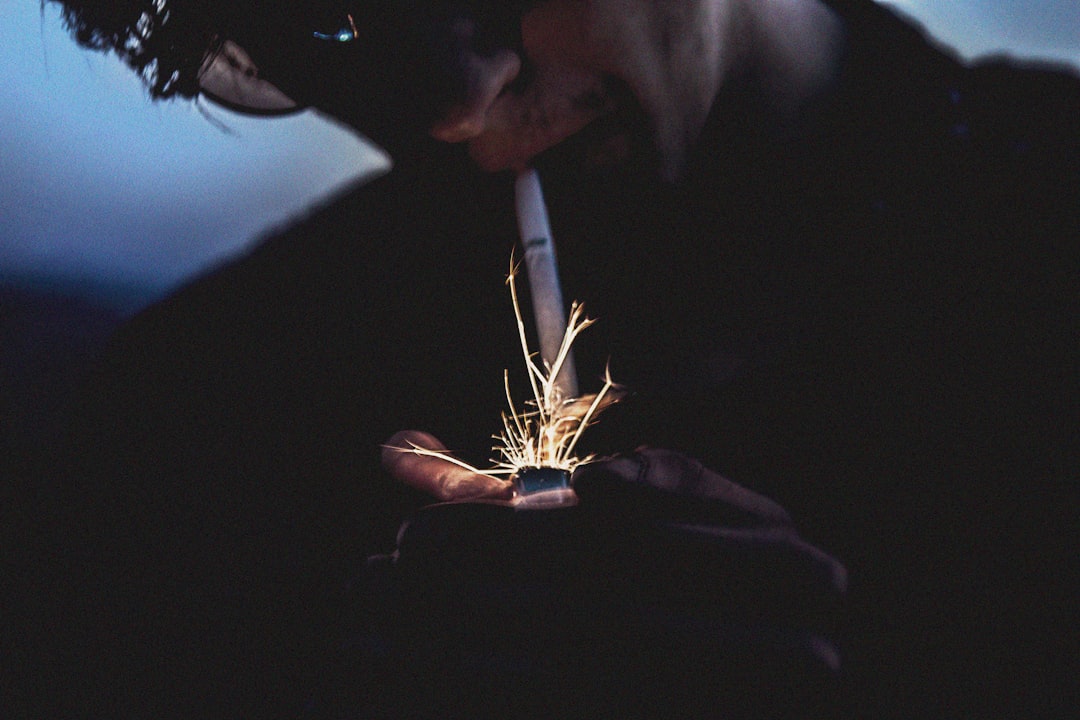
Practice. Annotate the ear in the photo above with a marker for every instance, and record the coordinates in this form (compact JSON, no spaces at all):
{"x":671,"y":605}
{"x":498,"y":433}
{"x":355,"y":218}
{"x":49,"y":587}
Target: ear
{"x":229,"y":77}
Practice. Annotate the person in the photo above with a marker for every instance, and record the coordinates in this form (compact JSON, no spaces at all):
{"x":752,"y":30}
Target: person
{"x":831,"y":262}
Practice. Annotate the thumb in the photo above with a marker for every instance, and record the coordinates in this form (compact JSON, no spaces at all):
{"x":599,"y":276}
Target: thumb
{"x":439,"y":476}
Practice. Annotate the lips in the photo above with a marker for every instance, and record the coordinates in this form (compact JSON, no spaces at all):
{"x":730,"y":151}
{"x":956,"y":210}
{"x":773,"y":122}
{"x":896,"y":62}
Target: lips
{"x":519,"y":125}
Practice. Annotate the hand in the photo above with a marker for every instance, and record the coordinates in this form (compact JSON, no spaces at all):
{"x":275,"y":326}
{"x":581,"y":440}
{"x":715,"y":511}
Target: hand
{"x":711,"y":533}
{"x":435,"y":476}
{"x":665,"y":484}
{"x":668,"y":590}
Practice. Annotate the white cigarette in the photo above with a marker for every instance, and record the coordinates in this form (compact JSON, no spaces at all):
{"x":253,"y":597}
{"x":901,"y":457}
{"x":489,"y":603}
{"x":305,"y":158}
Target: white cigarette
{"x":547,"y":301}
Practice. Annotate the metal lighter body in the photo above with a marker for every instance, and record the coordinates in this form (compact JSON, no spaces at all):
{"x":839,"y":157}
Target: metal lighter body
{"x":538,"y":488}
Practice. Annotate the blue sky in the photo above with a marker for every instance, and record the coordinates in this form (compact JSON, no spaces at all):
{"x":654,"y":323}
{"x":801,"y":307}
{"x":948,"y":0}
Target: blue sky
{"x":102,"y":185}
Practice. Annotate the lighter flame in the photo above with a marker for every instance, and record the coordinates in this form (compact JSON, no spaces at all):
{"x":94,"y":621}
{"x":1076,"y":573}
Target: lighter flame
{"x":547,"y":432}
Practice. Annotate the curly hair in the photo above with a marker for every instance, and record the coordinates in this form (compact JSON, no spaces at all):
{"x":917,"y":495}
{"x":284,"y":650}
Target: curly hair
{"x":389,"y":84}
{"x":166,"y":48}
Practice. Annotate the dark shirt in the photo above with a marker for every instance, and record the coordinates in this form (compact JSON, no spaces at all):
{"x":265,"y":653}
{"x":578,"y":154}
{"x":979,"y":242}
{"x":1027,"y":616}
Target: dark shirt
{"x":868,"y":315}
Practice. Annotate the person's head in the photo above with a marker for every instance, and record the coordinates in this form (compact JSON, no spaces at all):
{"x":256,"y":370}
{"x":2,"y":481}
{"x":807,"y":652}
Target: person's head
{"x":510,"y":77}
{"x":381,"y":66}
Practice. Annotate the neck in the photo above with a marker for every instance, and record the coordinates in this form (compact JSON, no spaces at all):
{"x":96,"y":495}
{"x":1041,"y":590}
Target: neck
{"x":791,"y":48}
{"x":784,"y":52}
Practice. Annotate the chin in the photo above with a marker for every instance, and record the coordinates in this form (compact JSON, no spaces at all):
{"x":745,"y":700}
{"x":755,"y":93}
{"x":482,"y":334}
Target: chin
{"x":620,"y":136}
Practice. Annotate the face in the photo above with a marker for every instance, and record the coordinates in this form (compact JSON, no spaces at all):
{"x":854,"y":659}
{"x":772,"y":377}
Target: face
{"x":513,"y":79}
{"x":579,"y":60}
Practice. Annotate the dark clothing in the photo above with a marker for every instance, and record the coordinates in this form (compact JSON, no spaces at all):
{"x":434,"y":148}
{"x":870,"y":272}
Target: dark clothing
{"x":869,"y":315}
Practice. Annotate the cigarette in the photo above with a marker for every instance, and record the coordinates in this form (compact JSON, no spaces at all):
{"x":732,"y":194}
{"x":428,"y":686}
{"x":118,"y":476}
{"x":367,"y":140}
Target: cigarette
{"x":549,"y":311}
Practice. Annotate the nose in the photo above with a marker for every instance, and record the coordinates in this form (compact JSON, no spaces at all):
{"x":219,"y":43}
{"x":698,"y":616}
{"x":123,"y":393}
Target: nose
{"x":485,"y":78}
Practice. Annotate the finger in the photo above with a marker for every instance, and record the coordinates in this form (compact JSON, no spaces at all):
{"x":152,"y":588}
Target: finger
{"x":440,"y":477}
{"x":655,"y":481}
{"x":763,"y":557}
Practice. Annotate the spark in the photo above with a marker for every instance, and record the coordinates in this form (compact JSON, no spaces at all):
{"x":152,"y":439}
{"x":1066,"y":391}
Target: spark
{"x":546,"y":431}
